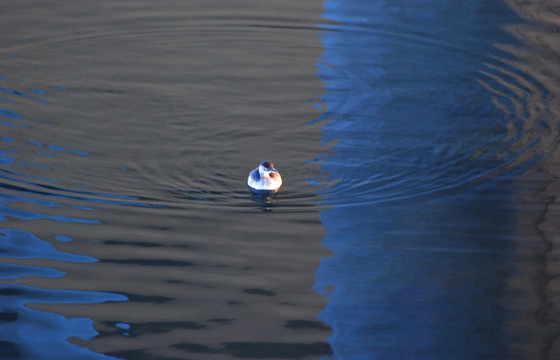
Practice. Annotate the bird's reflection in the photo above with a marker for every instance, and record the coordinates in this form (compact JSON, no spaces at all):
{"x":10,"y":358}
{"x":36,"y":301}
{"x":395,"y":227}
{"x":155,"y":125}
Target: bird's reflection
{"x":265,"y":198}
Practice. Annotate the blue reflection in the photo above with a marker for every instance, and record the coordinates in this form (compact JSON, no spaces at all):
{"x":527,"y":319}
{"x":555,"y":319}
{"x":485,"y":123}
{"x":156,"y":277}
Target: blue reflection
{"x":21,"y":244}
{"x":59,"y":148}
{"x":21,"y":93}
{"x":9,"y":271}
{"x":420,"y":218}
{"x":12,"y":92}
{"x":16,"y":181}
{"x":5,"y":159}
{"x":62,"y":238}
{"x":6,"y":123}
{"x":77,"y":152}
{"x":28,"y":333}
{"x":36,"y":188}
{"x":6,"y":210}
{"x":10,"y":114}
{"x":34,"y":334}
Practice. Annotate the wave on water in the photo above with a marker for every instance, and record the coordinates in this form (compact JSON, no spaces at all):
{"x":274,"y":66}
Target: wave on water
{"x":402,"y":136}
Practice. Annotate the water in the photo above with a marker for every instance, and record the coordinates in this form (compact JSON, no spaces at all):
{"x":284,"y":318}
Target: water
{"x":129,"y":133}
{"x":417,"y":143}
{"x":440,"y":131}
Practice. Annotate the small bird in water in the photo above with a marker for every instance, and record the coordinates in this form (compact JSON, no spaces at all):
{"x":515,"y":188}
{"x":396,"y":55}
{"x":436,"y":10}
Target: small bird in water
{"x":265,"y":177}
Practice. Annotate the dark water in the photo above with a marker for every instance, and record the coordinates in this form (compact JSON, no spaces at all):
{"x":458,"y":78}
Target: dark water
{"x":418,"y":146}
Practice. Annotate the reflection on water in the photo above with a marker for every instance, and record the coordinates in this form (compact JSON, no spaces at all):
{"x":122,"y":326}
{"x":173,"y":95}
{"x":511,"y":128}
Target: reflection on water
{"x":442,"y":133}
{"x":418,"y":215}
{"x":45,"y":333}
{"x":537,"y":277}
{"x":127,"y":132}
{"x":431,"y":128}
{"x":266,"y":199}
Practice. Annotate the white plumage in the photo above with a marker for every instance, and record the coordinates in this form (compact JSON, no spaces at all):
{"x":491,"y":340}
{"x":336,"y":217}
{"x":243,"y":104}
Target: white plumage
{"x":265,"y":177}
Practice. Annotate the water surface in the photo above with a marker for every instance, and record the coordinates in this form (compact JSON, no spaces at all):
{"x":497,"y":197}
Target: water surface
{"x":417,"y":143}
{"x":443,"y":134}
{"x":128,"y":132}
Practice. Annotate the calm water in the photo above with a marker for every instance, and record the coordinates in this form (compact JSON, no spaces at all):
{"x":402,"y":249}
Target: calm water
{"x":418,"y":146}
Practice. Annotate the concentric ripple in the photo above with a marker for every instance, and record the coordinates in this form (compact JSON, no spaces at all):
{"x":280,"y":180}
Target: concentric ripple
{"x":428,"y":130}
{"x":127,"y":132}
{"x":167,"y":142}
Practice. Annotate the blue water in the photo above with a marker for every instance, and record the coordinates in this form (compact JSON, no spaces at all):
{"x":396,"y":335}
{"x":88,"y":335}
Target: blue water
{"x":417,"y":144}
{"x":422,"y":224}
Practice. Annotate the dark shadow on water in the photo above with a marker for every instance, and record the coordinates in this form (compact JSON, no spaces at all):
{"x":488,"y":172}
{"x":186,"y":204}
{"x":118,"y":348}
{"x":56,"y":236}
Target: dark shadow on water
{"x":141,"y":329}
{"x":265,"y":198}
{"x":306,"y":324}
{"x":261,"y":350}
{"x":150,"y":262}
{"x":258,"y":291}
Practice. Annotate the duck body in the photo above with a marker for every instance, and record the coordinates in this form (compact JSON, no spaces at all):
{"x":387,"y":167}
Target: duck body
{"x":264,"y":178}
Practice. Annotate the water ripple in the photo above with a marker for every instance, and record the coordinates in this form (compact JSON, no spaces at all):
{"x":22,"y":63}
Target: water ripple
{"x":47,"y":343}
{"x":123,"y":165}
{"x":415,"y":147}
